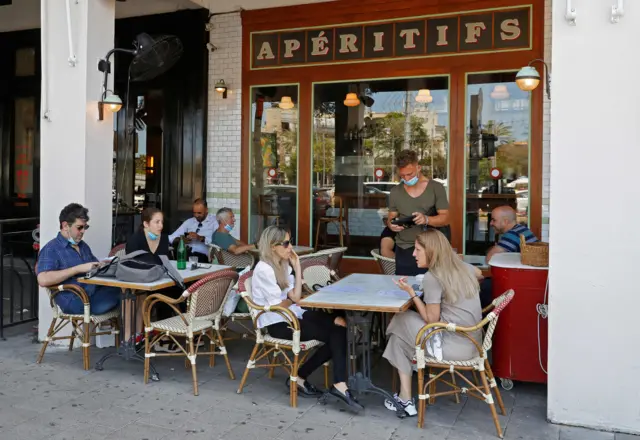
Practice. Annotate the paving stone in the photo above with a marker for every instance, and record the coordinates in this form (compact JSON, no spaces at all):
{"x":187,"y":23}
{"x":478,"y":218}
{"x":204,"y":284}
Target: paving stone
{"x":138,"y":431}
{"x":575,"y":433}
{"x":620,"y":436}
{"x":252,"y":431}
{"x":309,"y":431}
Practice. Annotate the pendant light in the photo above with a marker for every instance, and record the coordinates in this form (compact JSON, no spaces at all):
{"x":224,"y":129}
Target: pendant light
{"x":500,"y":92}
{"x":286,"y":103}
{"x":352,"y":100}
{"x":424,"y":95}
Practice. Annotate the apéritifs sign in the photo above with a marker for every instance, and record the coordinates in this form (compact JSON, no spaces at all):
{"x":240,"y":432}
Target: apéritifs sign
{"x":464,"y":33}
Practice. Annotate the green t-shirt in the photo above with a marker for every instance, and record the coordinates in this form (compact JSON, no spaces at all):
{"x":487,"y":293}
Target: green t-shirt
{"x":223,"y":240}
{"x":401,"y":202}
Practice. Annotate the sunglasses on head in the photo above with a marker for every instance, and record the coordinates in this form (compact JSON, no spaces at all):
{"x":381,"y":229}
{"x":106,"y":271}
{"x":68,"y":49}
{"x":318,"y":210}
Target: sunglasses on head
{"x":284,"y":244}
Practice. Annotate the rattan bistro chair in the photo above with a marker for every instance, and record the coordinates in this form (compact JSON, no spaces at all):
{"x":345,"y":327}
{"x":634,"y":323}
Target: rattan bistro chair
{"x":316,"y":275}
{"x":83,"y":326}
{"x":229,"y":259}
{"x":387,"y":265}
{"x":479,"y":364}
{"x":205,"y":301}
{"x":237,"y":317}
{"x":118,"y":250}
{"x":268,"y":349}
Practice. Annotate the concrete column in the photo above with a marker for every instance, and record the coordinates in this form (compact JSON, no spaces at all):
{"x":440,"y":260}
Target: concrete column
{"x":595,"y":243}
{"x":76,"y":148}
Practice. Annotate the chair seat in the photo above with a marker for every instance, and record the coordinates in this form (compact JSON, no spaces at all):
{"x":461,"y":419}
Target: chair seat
{"x":304,"y":345}
{"x":445,"y":363}
{"x":96,"y":319}
{"x":240,"y":316}
{"x":175,"y":324}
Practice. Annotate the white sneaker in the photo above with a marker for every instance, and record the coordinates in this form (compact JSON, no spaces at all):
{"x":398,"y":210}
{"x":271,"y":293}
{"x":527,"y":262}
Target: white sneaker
{"x":409,"y":406}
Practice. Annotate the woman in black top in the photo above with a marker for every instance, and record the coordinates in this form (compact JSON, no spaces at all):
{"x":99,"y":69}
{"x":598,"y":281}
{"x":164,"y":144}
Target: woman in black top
{"x":149,"y":237}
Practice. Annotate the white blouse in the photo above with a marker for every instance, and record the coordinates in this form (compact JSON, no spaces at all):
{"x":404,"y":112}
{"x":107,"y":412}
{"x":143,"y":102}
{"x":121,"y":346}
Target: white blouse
{"x":265,"y":291}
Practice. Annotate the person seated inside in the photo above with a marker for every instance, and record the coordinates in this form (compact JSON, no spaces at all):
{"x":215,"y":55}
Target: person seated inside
{"x":450,"y":295}
{"x":66,"y":258}
{"x":387,"y":241}
{"x":197,"y":231}
{"x":275,"y":284}
{"x":151,"y":239}
{"x":505,"y":223}
{"x":222,"y":236}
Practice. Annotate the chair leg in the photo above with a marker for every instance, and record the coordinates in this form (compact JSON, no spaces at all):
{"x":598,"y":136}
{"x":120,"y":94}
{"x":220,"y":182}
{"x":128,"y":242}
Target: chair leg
{"x":294,"y":385}
{"x":489,"y":398}
{"x":147,"y":359}
{"x":453,"y":380}
{"x":74,"y":329}
{"x":318,"y":233}
{"x":223,"y":350}
{"x":116,"y":333}
{"x":421,"y":402}
{"x":326,"y":375}
{"x":432,"y":388}
{"x":272,"y":360}
{"x":250,"y":365}
{"x":212,"y":348}
{"x":45,"y":344}
{"x":86,"y":341}
{"x":494,"y":386}
{"x":341,"y":234}
{"x":192,"y":359}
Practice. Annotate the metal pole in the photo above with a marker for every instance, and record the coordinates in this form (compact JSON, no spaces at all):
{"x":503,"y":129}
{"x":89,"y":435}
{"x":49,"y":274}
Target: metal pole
{"x":1,"y":284}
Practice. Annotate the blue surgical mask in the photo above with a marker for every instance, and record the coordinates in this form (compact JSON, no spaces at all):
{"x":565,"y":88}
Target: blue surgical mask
{"x":411,"y":181}
{"x":71,"y":240}
{"x":152,"y":236}
{"x":229,"y":228}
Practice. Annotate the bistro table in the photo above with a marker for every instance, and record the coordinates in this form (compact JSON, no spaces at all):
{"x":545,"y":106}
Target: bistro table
{"x":361,"y":296}
{"x":130,"y":291}
{"x":300,"y":250}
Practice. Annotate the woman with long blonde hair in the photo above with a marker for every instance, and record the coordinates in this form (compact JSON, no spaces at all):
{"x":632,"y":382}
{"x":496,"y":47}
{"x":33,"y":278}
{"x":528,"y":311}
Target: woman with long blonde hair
{"x":451,"y":294}
{"x":277,"y":281}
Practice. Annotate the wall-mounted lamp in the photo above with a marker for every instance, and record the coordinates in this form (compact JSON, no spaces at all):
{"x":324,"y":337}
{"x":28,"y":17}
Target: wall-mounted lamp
{"x":528,"y":77}
{"x":111,"y":102}
{"x":424,"y":95}
{"x":570,"y":14}
{"x":500,"y":92}
{"x":221,"y":87}
{"x":352,"y":100}
{"x":617,"y":11}
{"x":286,"y":103}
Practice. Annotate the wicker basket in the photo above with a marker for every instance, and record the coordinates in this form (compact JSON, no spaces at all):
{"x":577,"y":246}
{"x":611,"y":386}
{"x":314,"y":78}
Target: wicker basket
{"x":534,"y":254}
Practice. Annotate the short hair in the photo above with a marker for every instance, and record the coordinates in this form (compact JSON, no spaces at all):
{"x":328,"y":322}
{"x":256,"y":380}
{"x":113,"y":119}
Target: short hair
{"x":406,"y":157}
{"x":223,"y":214}
{"x":73,"y":212}
{"x":202,"y":202}
{"x":506,"y":212}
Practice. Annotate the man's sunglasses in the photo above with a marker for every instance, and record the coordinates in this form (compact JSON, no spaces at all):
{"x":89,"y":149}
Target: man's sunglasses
{"x":284,"y":244}
{"x":81,"y":227}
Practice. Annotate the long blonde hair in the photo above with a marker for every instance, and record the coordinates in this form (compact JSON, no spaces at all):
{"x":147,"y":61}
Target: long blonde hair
{"x":270,"y":237}
{"x":452,"y":273}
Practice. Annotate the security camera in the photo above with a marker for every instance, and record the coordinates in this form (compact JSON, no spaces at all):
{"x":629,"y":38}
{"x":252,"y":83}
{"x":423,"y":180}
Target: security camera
{"x":211,"y":47}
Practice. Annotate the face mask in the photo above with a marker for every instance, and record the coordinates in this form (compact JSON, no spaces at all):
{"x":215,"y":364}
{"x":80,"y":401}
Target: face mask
{"x":229,"y":228}
{"x":70,"y":239}
{"x":152,"y":236}
{"x":410,"y":182}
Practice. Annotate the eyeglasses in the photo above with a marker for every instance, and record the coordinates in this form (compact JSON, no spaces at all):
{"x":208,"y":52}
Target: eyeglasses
{"x":284,"y":244}
{"x":81,"y":227}
{"x":198,"y":228}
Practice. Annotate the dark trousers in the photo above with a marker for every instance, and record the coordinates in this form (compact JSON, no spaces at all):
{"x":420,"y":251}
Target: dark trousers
{"x":486,"y":292}
{"x":319,"y":326}
{"x":165,"y":311}
{"x":406,"y":263}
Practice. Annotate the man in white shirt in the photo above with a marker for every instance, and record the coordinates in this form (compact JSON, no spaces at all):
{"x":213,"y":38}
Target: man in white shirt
{"x":197,"y":231}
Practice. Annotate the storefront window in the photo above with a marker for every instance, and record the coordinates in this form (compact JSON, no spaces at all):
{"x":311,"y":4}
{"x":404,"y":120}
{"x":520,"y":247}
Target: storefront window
{"x":358,"y":130}
{"x":497,"y":155}
{"x":274,"y":159}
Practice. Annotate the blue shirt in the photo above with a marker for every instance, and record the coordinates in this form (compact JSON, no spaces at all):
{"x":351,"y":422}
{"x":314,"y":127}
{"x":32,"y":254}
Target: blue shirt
{"x":510,"y":240}
{"x":58,"y":254}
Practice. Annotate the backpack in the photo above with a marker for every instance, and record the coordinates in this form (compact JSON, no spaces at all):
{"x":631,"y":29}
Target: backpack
{"x":131,"y":269}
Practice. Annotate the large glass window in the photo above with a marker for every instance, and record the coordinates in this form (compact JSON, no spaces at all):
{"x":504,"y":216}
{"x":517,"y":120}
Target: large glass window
{"x":358,"y":130}
{"x":274,"y":159}
{"x":24,"y":144}
{"x":497,"y":155}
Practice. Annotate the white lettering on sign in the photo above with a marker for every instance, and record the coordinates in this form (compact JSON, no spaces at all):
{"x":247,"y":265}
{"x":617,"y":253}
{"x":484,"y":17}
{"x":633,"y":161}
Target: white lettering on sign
{"x":266,"y":53}
{"x":473,"y":31}
{"x":510,"y":29}
{"x":377,"y":38}
{"x":289,"y":47}
{"x":442,"y":35}
{"x":348,"y":43}
{"x":408,"y":35}
{"x":319,"y":44}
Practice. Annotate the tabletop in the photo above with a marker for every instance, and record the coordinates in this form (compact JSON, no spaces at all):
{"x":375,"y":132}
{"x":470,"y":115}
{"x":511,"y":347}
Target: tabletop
{"x":188,"y":276}
{"x":511,"y":260}
{"x":365,"y":292}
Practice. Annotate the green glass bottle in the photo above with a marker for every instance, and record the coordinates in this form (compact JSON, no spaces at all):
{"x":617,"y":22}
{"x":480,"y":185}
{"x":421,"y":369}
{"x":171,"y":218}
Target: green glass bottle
{"x":182,"y":255}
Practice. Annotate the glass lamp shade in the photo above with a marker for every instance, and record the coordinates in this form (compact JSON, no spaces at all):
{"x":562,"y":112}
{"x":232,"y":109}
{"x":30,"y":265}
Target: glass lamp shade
{"x":220,"y":86}
{"x":424,"y":95}
{"x":113,"y":103}
{"x":528,"y":78}
{"x":352,"y":100}
{"x":500,"y":92}
{"x":286,"y":103}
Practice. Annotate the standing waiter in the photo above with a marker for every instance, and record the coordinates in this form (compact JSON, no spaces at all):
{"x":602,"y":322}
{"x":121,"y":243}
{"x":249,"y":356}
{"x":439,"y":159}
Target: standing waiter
{"x":419,"y":197}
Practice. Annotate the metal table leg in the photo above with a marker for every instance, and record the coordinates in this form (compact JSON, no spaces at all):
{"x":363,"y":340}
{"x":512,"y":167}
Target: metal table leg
{"x":127,"y":349}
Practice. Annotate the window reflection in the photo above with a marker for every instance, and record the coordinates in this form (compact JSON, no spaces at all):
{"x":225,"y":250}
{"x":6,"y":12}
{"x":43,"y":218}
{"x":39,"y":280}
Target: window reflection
{"x":498,"y":123}
{"x":274,"y":159}
{"x":354,"y":150}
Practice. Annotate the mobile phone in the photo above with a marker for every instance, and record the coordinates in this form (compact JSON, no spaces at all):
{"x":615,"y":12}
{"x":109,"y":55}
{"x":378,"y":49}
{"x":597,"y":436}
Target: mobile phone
{"x":403,"y":221}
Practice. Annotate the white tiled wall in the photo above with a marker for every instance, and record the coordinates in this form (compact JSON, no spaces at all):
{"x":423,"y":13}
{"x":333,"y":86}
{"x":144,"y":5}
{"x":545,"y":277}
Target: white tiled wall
{"x":546,"y":127}
{"x":224,"y":115}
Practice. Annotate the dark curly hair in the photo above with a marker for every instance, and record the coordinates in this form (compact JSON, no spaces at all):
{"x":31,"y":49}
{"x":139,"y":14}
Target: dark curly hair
{"x":73,"y":212}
